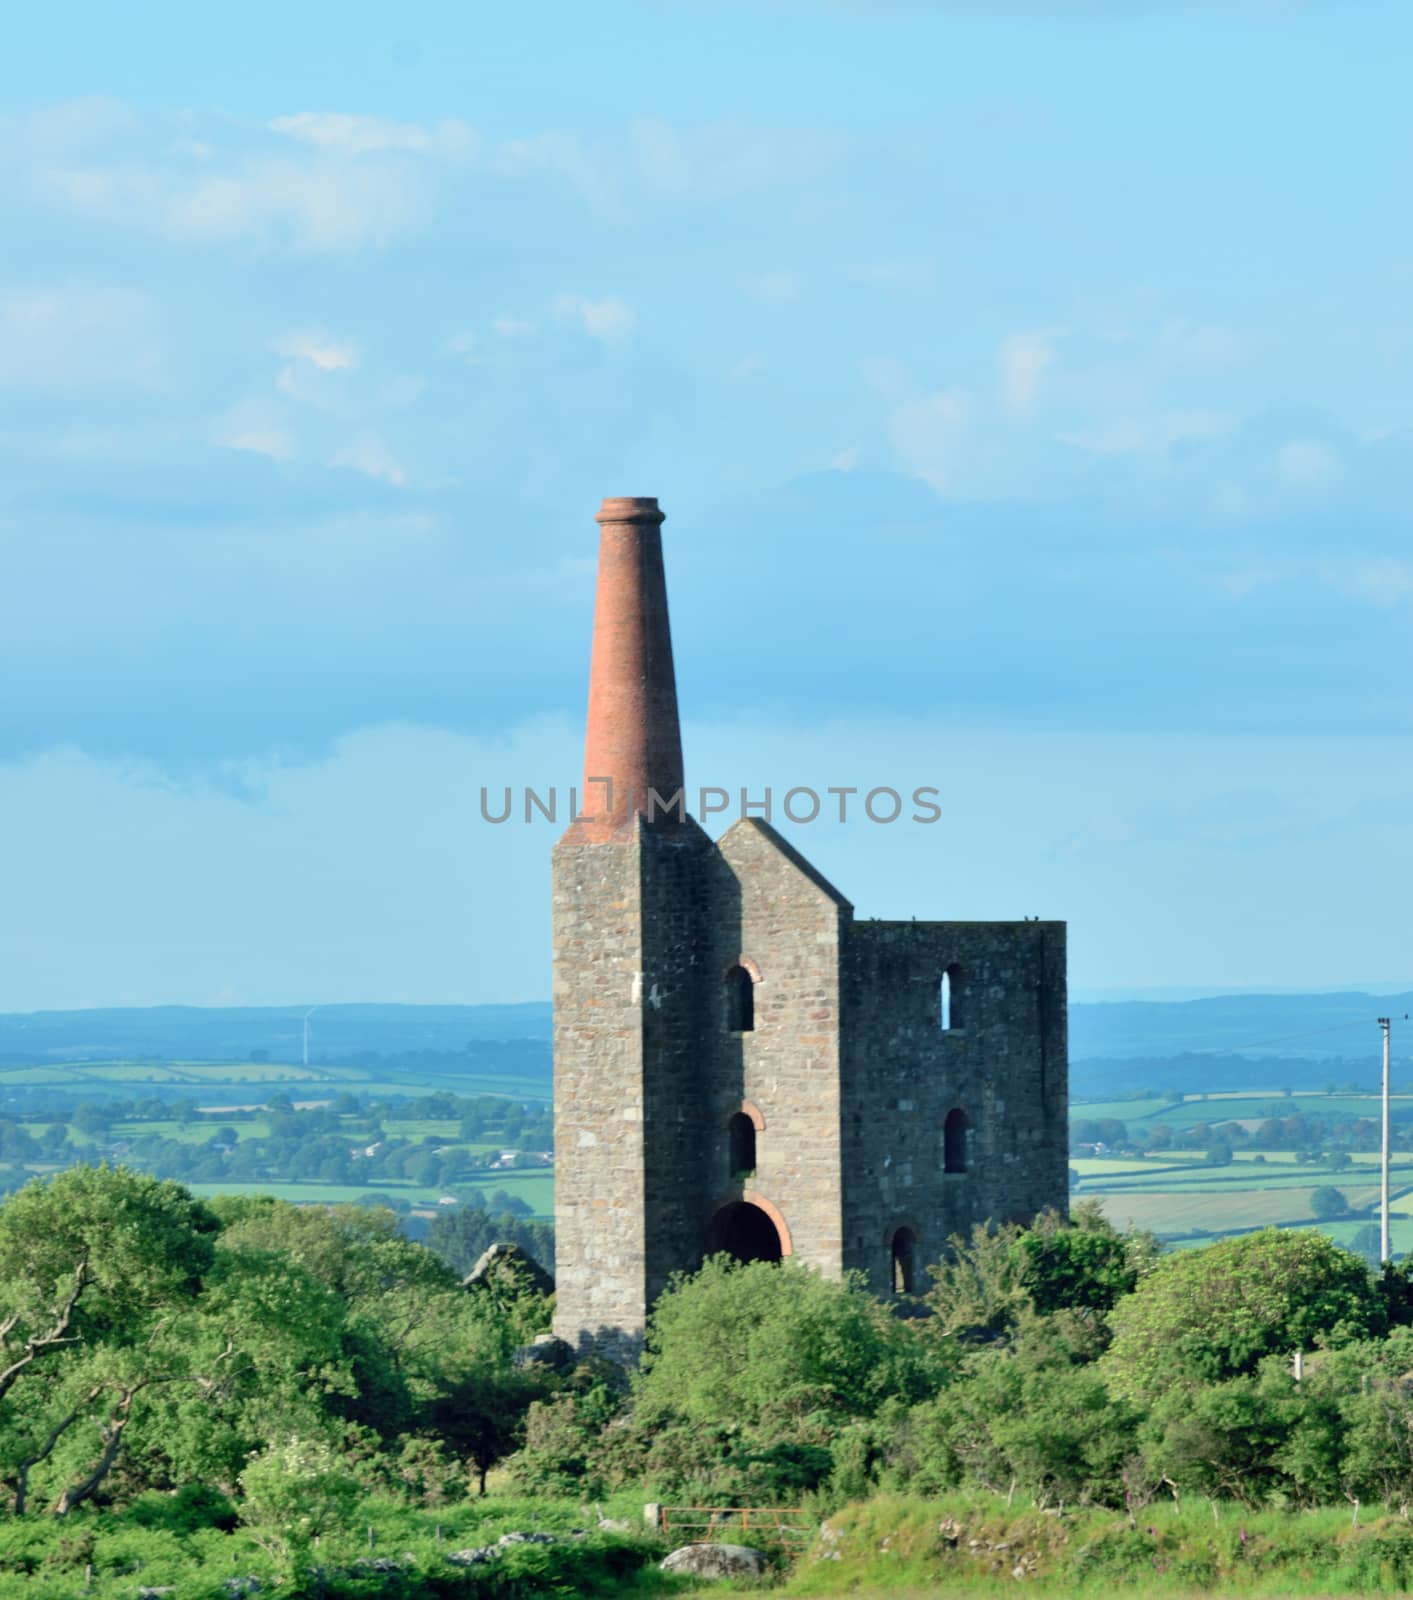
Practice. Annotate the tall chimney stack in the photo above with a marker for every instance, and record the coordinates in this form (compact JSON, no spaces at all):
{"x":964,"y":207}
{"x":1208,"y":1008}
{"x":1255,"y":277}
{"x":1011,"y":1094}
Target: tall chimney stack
{"x":634,"y":740}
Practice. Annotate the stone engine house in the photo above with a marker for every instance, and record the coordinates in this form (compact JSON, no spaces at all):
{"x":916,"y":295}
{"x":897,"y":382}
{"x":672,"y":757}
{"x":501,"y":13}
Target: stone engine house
{"x":739,"y":1064}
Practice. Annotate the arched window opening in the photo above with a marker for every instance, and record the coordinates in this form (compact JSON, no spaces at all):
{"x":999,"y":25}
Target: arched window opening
{"x":740,"y":1001}
{"x":954,"y":1142}
{"x":747,"y":1232}
{"x":951,"y":999}
{"x":742,"y":1134}
{"x":904,"y":1261}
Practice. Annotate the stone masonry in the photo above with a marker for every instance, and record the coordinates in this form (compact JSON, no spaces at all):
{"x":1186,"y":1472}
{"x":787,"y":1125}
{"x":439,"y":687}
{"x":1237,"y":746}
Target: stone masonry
{"x":739,"y":1063}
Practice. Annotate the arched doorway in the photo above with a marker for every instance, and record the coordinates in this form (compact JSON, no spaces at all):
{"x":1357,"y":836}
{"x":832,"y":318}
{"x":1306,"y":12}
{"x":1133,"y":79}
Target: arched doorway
{"x":904,"y":1251}
{"x":745,"y":1231}
{"x":741,"y":1134}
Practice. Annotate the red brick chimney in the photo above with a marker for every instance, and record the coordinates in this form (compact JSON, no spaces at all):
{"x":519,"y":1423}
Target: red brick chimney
{"x":633,"y":735}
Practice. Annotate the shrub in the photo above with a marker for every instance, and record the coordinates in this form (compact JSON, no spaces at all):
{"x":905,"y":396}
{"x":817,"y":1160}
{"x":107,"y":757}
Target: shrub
{"x":1203,"y":1316}
{"x":194,"y":1505}
{"x":764,"y":1343}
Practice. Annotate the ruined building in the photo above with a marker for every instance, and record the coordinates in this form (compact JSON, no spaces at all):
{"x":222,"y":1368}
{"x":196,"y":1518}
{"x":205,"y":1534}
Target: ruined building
{"x":739,"y":1064}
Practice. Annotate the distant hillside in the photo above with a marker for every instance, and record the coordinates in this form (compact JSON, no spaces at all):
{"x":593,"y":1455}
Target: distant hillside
{"x":1258,"y":1042}
{"x":235,"y":1033}
{"x":1265,"y":1042}
{"x":1310,"y":1027}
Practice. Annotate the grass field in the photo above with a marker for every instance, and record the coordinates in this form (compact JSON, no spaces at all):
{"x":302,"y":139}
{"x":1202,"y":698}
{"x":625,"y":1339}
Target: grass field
{"x":1176,"y":1212}
{"x":1175,"y":1193}
{"x":1233,"y":1106}
{"x":217,"y":1082}
{"x":536,"y":1189}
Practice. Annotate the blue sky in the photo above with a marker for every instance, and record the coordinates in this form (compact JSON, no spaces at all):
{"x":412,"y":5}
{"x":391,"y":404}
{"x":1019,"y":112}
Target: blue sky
{"x":1027,"y":386}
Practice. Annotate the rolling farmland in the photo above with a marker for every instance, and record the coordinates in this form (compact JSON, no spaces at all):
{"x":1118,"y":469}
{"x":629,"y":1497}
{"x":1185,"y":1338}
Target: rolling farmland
{"x":1187,"y":1199}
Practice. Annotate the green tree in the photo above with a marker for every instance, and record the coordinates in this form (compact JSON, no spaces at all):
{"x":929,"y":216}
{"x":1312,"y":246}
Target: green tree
{"x":1203,"y":1316}
{"x":1083,"y":1264}
{"x":293,"y":1492}
{"x":1327,"y":1203}
{"x":99,"y":1267}
{"x":979,"y":1289}
{"x":1054,"y":1432}
{"x":765,"y":1343}
{"x":93,"y":1253}
{"x":1223,"y":1439}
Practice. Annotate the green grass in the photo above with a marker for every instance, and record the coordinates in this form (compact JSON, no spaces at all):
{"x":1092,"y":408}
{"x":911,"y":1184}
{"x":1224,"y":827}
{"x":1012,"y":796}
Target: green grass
{"x":1176,"y":1213}
{"x":1123,"y":1110}
{"x":976,"y":1544}
{"x":1218,"y":1180}
{"x":535,"y":1188}
{"x":220,"y":1078}
{"x":246,"y":1127}
{"x":108,"y":1555}
{"x":1099,"y":1167}
{"x":327,"y":1194}
{"x":1239,"y":1105}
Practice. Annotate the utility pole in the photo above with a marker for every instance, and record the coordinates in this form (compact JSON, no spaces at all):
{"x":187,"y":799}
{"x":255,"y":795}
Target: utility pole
{"x":1385,"y":1254}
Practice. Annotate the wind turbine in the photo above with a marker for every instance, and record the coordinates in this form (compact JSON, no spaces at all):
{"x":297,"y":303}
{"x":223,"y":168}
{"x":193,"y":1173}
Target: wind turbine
{"x":307,"y":1016}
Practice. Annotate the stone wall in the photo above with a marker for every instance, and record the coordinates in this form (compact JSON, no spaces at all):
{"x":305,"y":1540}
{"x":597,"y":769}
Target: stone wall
{"x":771,"y":908}
{"x":674,"y":1022}
{"x":1003,"y":1065}
{"x":628,"y":1089}
{"x":600,"y":1220}
{"x":847,"y":1073}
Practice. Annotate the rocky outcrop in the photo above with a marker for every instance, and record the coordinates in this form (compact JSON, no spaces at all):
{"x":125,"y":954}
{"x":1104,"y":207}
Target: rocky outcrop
{"x":508,"y":1266}
{"x":716,"y":1561}
{"x":546,"y":1350}
{"x":489,"y":1552}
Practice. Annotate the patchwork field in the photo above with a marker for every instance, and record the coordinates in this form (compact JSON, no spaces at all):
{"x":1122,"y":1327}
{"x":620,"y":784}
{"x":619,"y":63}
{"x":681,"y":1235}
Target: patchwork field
{"x":1173,"y":1213}
{"x":238,"y":1082}
{"x":536,"y":1189}
{"x":1235,"y":1106}
{"x":1177,"y":1193}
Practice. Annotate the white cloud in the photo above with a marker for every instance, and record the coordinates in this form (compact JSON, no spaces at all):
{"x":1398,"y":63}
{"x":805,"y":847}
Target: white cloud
{"x":320,"y":350}
{"x":360,"y":136}
{"x":1023,"y":358}
{"x":774,"y":288}
{"x":653,"y":162}
{"x":271,"y":442}
{"x":317,"y":206}
{"x":369,"y":455}
{"x":885,"y":376}
{"x":79,"y":335}
{"x":404,"y":390}
{"x":508,"y":327}
{"x":312,"y":183}
{"x":1186,"y":344}
{"x":1303,"y":462}
{"x":55,"y":131}
{"x":1384,"y":584}
{"x":371,"y":531}
{"x":724,"y":159}
{"x":926,"y":431}
{"x":608,"y":320}
{"x":561,"y":156}
{"x":1151,"y":434}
